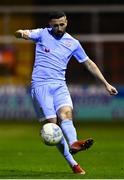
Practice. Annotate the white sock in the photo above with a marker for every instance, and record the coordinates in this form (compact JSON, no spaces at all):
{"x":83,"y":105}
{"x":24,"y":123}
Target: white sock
{"x":64,"y":149}
{"x":69,"y":131}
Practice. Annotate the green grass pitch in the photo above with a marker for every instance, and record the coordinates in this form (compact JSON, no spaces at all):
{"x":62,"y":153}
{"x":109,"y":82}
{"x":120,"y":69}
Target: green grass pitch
{"x":23,"y":155}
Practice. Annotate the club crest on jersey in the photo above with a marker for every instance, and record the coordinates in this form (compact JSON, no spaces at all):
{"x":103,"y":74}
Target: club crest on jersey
{"x":68,"y":43}
{"x":47,"y":50}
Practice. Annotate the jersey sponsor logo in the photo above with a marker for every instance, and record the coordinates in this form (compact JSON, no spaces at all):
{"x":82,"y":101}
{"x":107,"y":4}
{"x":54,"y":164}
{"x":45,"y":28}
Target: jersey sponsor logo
{"x":47,"y":50}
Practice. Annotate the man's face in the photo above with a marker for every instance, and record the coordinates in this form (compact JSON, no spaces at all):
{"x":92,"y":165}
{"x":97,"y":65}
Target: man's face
{"x":58,"y":25}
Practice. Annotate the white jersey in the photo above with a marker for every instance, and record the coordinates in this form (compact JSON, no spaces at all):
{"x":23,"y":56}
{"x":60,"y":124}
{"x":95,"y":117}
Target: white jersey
{"x":52,"y":55}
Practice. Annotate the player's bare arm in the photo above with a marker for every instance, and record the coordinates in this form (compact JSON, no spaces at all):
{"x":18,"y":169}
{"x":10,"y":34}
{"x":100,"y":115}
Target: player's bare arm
{"x":93,"y":68}
{"x":24,"y":34}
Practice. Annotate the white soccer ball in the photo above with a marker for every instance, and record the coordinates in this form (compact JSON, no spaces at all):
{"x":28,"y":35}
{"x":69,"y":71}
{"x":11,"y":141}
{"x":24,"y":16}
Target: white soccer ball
{"x":51,"y":134}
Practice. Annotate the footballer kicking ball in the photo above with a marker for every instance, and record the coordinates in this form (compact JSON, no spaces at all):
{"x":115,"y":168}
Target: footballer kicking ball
{"x":51,"y":134}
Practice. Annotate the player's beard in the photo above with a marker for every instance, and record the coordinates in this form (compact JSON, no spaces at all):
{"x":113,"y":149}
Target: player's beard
{"x":58,"y":34}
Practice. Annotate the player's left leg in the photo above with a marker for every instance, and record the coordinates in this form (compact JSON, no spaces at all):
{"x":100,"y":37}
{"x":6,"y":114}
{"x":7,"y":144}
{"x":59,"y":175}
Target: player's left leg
{"x":63,"y":105}
{"x":66,"y":123}
{"x":65,"y":114}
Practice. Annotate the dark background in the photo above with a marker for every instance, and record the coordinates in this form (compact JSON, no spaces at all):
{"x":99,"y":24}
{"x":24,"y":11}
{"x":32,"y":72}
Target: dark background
{"x":46,"y":2}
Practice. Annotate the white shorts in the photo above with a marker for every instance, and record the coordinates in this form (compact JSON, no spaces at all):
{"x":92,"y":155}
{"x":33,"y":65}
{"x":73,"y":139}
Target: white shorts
{"x":48,"y":98}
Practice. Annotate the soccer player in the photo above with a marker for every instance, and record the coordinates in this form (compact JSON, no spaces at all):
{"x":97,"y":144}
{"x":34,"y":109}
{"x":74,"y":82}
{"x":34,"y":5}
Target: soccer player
{"x":51,"y":97}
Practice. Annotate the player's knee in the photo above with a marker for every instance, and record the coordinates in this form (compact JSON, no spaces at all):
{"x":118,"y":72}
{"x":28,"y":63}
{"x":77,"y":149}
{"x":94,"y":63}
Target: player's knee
{"x":65,"y":113}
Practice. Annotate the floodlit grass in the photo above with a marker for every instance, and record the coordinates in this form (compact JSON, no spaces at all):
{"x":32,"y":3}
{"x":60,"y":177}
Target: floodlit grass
{"x":23,"y":155}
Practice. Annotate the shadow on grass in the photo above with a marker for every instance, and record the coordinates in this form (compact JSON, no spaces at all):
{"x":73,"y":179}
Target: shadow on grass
{"x":18,"y":174}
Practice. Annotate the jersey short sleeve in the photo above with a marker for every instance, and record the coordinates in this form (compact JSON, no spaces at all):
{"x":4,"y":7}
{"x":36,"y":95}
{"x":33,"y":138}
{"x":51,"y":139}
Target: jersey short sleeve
{"x":80,"y":54}
{"x":35,"y":34}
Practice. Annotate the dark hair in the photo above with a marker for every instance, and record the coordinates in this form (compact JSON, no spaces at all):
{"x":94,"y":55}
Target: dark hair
{"x":56,"y":15}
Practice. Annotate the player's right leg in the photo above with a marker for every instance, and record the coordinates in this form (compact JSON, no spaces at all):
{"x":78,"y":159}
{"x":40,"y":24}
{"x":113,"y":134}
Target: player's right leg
{"x":43,"y":105}
{"x":43,"y":102}
{"x":64,"y":149}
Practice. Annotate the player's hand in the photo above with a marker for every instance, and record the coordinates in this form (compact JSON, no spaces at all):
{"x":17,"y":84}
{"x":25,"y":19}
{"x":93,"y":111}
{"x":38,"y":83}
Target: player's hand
{"x":112,"y":90}
{"x":19,"y":34}
{"x":22,"y":34}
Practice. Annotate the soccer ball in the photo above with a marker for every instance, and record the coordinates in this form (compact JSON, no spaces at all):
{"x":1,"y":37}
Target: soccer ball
{"x":51,"y":134}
